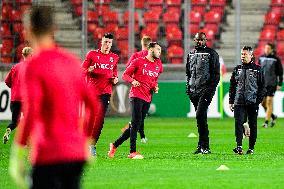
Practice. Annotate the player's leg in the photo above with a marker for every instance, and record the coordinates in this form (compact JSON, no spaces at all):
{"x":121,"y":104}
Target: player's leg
{"x":136,"y":106}
{"x":72,"y":173}
{"x":96,"y":132}
{"x":15,"y":107}
{"x":239,"y":114}
{"x":145,"y":110}
{"x":201,"y":116}
{"x":46,"y":177}
{"x":252,"y":119}
{"x":194,"y":100}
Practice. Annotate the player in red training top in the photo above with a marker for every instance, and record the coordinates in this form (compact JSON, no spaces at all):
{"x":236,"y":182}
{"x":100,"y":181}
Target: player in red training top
{"x":144,"y":44}
{"x":100,"y":68}
{"x":53,"y":88}
{"x":12,"y":80}
{"x":143,"y":74}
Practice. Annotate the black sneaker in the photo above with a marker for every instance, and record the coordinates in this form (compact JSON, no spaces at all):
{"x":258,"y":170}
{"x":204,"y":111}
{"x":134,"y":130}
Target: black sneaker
{"x":206,"y":151}
{"x":238,"y":150}
{"x":198,"y":150}
{"x":273,"y":121}
{"x":250,"y":151}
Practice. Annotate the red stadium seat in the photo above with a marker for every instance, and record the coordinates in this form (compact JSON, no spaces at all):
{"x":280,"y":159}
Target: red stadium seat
{"x":92,"y":27}
{"x":93,"y":17}
{"x":18,"y":27}
{"x":277,"y":3}
{"x":7,"y":43}
{"x":175,"y":54}
{"x":279,"y":10}
{"x":193,"y":29}
{"x":102,"y":2}
{"x":267,"y":35}
{"x":98,"y":34}
{"x":140,"y":4}
{"x":122,"y":34}
{"x":280,"y":35}
{"x":171,"y":17}
{"x":272,"y":18}
{"x":110,"y":17}
{"x":78,"y":10}
{"x":280,"y":48}
{"x":6,"y":51}
{"x":195,"y":17}
{"x":19,"y":51}
{"x":6,"y":11}
{"x":76,"y":2}
{"x":126,"y":16}
{"x":212,"y":17}
{"x":151,"y":16}
{"x":219,"y":3}
{"x":210,"y":34}
{"x":199,"y":2}
{"x":111,"y":28}
{"x":6,"y":60}
{"x":214,"y":27}
{"x":200,"y":9}
{"x":151,"y":31}
{"x":170,"y":3}
{"x":5,"y":31}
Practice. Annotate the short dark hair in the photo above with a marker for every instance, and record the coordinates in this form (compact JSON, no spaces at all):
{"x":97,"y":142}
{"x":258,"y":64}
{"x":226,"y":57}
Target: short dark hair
{"x":199,"y":35}
{"x":108,"y":35}
{"x":41,"y":20}
{"x":272,"y":46}
{"x":248,"y":48}
{"x":146,"y":40}
{"x":152,"y":45}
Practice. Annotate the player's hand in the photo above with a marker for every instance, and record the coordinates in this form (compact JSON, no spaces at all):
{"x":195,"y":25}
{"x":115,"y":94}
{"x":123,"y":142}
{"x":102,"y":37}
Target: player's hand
{"x":115,"y":80}
{"x":156,"y":89}
{"x":231,"y":107}
{"x":135,"y":83}
{"x":91,"y":68}
{"x":17,"y":167}
{"x":279,"y":88}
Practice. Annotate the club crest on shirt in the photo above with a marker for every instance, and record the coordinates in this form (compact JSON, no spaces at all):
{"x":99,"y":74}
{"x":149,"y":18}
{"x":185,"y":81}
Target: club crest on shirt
{"x":157,"y":68}
{"x":111,"y":59}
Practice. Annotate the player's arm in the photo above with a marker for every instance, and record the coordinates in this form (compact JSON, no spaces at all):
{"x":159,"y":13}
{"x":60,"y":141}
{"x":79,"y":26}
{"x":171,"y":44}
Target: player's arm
{"x":8,"y":79}
{"x":214,"y":70}
{"x":232,"y":89}
{"x":133,"y":57}
{"x":87,"y":63}
{"x":115,"y":75}
{"x":128,"y":73}
{"x":279,"y":73}
{"x":187,"y":74}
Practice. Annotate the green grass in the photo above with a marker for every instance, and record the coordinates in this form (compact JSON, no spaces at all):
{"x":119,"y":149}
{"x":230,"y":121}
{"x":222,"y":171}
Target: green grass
{"x":169,"y":162}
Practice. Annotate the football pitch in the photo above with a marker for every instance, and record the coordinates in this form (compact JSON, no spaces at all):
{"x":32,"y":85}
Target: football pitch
{"x":169,"y":162}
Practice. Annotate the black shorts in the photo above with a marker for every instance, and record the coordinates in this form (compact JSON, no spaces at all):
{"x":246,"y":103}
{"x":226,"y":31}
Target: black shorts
{"x":270,"y":90}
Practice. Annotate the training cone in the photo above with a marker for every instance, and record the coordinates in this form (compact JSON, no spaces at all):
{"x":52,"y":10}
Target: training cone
{"x":222,"y":168}
{"x":192,"y":135}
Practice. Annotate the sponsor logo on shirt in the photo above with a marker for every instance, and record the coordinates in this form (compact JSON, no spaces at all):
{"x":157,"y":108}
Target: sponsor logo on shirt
{"x":150,"y":73}
{"x":103,"y":66}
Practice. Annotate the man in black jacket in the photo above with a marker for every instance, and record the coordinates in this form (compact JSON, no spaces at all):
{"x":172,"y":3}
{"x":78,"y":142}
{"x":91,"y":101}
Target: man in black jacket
{"x":273,"y":77}
{"x":203,"y":75}
{"x":246,"y":93}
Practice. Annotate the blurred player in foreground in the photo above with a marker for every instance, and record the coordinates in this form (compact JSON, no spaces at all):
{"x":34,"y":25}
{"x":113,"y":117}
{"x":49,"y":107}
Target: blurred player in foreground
{"x":13,"y":81}
{"x":143,"y":74}
{"x":53,"y":88}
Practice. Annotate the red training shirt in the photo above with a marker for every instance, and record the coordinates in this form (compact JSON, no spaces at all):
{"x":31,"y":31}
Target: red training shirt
{"x":105,"y":70}
{"x":53,"y":88}
{"x":12,"y":80}
{"x":147,"y":73}
{"x":137,"y":55}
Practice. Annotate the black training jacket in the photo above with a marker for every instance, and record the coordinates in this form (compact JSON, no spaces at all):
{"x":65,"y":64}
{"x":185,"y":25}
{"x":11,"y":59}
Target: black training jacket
{"x":246,"y":85}
{"x":272,"y":70}
{"x":202,"y":71}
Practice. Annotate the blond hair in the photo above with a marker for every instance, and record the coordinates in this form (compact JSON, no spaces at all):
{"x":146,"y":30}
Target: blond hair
{"x":145,"y":41}
{"x":27,"y":51}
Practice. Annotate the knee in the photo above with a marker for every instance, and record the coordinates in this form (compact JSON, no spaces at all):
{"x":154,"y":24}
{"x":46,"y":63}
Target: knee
{"x":269,"y":102}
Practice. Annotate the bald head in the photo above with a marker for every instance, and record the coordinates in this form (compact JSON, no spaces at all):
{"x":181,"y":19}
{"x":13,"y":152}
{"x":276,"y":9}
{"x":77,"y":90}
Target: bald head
{"x":200,"y":39}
